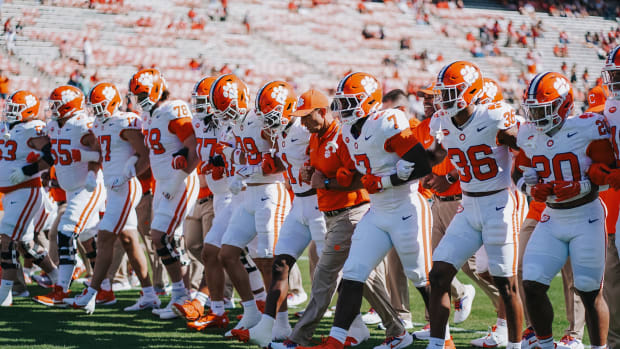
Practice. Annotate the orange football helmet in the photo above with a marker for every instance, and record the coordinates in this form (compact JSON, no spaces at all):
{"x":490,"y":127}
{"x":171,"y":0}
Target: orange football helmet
{"x":147,"y":86}
{"x":104,"y":99}
{"x":275,"y":102}
{"x":21,"y":106}
{"x":200,"y":98}
{"x":459,"y":84}
{"x":357,"y":96}
{"x":229,"y":98}
{"x":548,"y":100}
{"x":491,"y":92}
{"x":611,"y":73}
{"x":65,"y":101}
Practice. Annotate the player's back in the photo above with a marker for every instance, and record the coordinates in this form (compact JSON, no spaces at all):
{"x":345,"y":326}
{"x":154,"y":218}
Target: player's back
{"x":15,"y":149}
{"x":483,"y":164}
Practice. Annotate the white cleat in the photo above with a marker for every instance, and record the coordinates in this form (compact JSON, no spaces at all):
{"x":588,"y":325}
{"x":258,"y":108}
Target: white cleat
{"x":260,"y":335}
{"x":569,"y":342}
{"x":424,"y":334}
{"x":497,"y":337}
{"x":402,"y":341}
{"x":287,"y":344}
{"x":8,"y":300}
{"x":529,"y":340}
{"x":245,"y":323}
{"x":280,"y":333}
{"x":371,"y":317}
{"x":358,"y":332}
{"x":167,"y":313}
{"x":462,"y":307}
{"x":83,"y":301}
{"x":295,"y":299}
{"x":229,"y":303}
{"x":144,"y":302}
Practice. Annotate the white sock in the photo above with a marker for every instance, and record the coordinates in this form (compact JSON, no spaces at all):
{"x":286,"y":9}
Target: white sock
{"x":513,"y":345}
{"x":261,"y":296}
{"x":178,"y":286}
{"x":501,"y":323}
{"x":250,"y":308}
{"x":105,"y":285}
{"x":217,"y":307}
{"x":202,"y":298}
{"x":27,"y":271}
{"x":436,"y":342}
{"x":53,"y":275}
{"x":266,"y":321}
{"x":148,"y":291}
{"x":546,"y":343}
{"x":282,"y":319}
{"x":599,"y":347}
{"x":5,"y":289}
{"x":90,"y":291}
{"x":6,"y":283}
{"x":256,"y":280}
{"x":65,"y":272}
{"x":447,"y":331}
{"x":339,"y":334}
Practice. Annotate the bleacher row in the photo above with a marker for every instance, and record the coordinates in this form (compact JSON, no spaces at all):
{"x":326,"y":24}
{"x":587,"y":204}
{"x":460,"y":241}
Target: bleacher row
{"x":311,"y":48}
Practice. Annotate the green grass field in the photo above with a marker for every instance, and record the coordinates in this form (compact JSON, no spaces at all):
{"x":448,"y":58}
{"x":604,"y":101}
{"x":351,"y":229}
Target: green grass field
{"x":29,"y":325}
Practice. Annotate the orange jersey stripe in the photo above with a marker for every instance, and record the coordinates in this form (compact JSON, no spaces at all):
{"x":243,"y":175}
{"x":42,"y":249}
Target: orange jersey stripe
{"x":22,"y":216}
{"x":92,"y":203}
{"x":123,"y":214}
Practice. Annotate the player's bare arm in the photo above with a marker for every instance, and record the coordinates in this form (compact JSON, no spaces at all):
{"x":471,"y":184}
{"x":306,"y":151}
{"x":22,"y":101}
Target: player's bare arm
{"x":136,"y":139}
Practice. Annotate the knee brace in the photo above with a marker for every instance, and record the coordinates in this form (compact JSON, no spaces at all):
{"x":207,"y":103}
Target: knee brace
{"x":278,"y":263}
{"x":67,"y":249}
{"x":172,"y":251}
{"x":92,"y":254}
{"x":30,"y":251}
{"x":10,"y":258}
{"x":247,"y":261}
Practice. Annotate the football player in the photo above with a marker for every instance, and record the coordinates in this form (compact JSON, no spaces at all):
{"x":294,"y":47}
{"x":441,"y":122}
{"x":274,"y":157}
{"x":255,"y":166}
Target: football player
{"x":20,"y":184}
{"x":173,"y":159}
{"x":276,"y":104}
{"x":263,"y":199}
{"x":477,"y":139}
{"x":378,"y":142}
{"x":124,"y":154}
{"x":562,"y":155}
{"x":611,"y":83}
{"x":76,"y":160}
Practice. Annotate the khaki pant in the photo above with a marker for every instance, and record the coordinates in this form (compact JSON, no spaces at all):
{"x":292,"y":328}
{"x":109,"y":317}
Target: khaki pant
{"x":611,"y":291}
{"x":313,"y":258}
{"x":575,"y":311}
{"x":337,"y":244}
{"x":398,"y":285}
{"x":197,"y":224}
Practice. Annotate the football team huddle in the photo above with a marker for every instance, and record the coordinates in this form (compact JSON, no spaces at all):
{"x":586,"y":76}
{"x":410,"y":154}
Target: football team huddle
{"x":510,"y":200}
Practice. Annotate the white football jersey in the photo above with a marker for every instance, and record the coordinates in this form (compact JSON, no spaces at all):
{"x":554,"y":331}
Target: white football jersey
{"x":483,"y":165}
{"x":66,"y":142}
{"x":370,"y":156}
{"x":293,"y":145}
{"x":161,"y":142}
{"x":562,"y":157}
{"x":15,"y":149}
{"x":612,"y":113}
{"x":115,"y":151}
{"x":207,"y":141}
{"x":248,"y":138}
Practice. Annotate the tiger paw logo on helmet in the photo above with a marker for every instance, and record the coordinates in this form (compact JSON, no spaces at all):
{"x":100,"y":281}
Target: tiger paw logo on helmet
{"x":279,"y":93}
{"x":230,"y":90}
{"x":146,"y":79}
{"x":490,"y":89}
{"x":108,"y":92}
{"x":68,"y":95}
{"x":370,"y":85}
{"x":561,"y":85}
{"x":470,"y":74}
{"x":31,"y":101}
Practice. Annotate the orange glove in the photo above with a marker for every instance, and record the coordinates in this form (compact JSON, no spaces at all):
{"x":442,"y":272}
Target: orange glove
{"x":539,"y":192}
{"x":179,"y":162}
{"x":614,"y":179}
{"x":217,"y":173}
{"x":33,"y":157}
{"x":599,"y":173}
{"x":565,"y":190}
{"x":344,"y":177}
{"x":268,"y":164}
{"x":374,"y":184}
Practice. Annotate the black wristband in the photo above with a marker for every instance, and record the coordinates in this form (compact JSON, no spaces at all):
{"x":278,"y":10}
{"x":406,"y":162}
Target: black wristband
{"x":31,"y":169}
{"x":183,"y":152}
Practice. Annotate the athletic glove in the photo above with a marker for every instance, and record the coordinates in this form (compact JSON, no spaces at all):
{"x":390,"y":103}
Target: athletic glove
{"x":17,"y":176}
{"x":565,"y":190}
{"x":268,"y":165}
{"x":540,"y":192}
{"x":374,"y":184}
{"x":404,"y":169}
{"x":179,"y":159}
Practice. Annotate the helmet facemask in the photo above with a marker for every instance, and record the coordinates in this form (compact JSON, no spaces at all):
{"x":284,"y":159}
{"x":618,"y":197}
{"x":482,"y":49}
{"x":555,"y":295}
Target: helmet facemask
{"x":13,"y":111}
{"x":544,"y":116}
{"x":611,"y":79}
{"x":450,"y":99}
{"x":348,"y":107}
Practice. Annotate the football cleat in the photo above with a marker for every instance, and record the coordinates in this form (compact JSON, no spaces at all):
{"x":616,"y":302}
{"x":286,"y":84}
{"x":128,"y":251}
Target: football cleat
{"x":167,"y":313}
{"x":280,"y":333}
{"x":190,"y":310}
{"x":287,"y":344}
{"x":54,"y":298}
{"x":371,"y":317}
{"x":329,"y":343}
{"x":529,"y":339}
{"x":245,"y":323}
{"x":569,"y":342}
{"x":78,"y":271}
{"x":210,"y":321}
{"x":8,"y":300}
{"x":295,"y":299}
{"x":402,"y":341}
{"x":358,"y":333}
{"x":448,"y":344}
{"x":106,"y":297}
{"x":497,"y":337}
{"x":145,"y":302}
{"x":43,"y":280}
{"x":462,"y":307}
{"x":424,"y":334}
{"x":83,"y":301}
